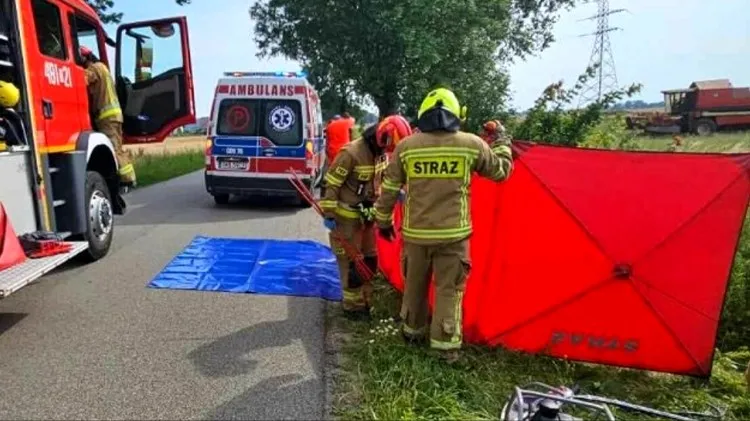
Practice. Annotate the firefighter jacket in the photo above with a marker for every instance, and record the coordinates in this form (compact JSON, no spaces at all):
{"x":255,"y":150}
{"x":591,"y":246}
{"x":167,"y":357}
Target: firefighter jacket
{"x":349,"y":181}
{"x":103,"y":101}
{"x":436,"y":169}
{"x":381,"y":163}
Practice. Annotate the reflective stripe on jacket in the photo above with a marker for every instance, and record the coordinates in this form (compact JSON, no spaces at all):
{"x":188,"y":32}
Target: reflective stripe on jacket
{"x":349,"y":181}
{"x":102,"y":94}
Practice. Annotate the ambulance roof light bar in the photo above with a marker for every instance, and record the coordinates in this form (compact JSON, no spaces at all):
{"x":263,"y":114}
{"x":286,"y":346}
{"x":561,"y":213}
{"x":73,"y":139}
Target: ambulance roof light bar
{"x":266,"y":74}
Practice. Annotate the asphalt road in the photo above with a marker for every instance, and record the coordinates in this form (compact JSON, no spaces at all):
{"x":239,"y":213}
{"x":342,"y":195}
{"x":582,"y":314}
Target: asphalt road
{"x":92,"y":342}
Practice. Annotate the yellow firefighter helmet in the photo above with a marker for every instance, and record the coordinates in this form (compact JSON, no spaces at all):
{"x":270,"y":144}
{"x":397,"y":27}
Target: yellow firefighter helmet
{"x":9,"y":95}
{"x":444,"y":99}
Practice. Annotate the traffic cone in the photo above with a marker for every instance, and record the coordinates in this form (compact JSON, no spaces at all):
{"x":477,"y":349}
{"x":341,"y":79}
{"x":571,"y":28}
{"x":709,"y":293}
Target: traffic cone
{"x":11,"y":252}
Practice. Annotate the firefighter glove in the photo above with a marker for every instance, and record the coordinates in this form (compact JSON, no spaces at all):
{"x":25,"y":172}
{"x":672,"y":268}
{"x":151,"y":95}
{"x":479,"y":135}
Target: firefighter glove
{"x":387,"y":233}
{"x":330,"y":223}
{"x":367,"y":211}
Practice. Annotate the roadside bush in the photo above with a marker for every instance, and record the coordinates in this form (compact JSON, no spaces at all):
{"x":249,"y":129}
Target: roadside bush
{"x":552,"y":119}
{"x":611,"y":133}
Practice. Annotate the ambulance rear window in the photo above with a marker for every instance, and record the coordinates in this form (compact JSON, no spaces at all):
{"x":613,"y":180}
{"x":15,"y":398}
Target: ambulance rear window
{"x":278,"y":120}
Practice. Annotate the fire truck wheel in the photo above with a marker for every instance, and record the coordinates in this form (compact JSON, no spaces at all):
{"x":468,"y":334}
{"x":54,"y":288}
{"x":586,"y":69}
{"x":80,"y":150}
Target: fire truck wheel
{"x":705,"y":127}
{"x":101,"y":219}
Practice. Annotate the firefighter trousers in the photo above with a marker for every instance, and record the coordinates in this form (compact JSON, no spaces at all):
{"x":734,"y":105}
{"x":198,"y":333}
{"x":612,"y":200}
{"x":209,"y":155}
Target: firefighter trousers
{"x":450,"y":265}
{"x":113,"y":130}
{"x":361,"y":236}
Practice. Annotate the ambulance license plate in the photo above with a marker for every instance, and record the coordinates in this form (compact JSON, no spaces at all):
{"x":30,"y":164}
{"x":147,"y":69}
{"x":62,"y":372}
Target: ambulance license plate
{"x":232,"y":164}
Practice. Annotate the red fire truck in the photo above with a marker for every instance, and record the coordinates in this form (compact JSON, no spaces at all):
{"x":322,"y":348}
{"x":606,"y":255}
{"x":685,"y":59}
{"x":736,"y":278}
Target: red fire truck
{"x":58,"y":174}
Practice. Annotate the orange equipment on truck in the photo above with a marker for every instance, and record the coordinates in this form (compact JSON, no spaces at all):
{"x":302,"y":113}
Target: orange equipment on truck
{"x":60,"y":176}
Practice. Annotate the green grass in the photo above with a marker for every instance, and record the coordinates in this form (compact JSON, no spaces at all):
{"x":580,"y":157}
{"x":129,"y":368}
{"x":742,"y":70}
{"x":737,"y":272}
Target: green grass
{"x":382,"y":378}
{"x":719,"y":142}
{"x":155,"y":168}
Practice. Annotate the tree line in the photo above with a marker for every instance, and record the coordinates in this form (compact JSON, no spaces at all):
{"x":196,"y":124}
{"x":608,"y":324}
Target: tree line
{"x":393,"y":52}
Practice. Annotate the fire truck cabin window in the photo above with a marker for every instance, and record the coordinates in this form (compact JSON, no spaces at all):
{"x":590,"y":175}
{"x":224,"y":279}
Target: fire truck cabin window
{"x":146,"y":55}
{"x":84,"y":33}
{"x":49,"y":33}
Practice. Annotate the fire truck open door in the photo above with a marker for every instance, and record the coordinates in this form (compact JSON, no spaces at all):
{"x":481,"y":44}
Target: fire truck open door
{"x":154,"y":79}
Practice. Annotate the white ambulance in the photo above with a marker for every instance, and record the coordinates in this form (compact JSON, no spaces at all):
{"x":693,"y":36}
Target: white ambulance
{"x":263,"y":124}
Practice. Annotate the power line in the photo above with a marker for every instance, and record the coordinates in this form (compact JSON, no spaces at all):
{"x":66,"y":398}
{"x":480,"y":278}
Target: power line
{"x":601,"y":55}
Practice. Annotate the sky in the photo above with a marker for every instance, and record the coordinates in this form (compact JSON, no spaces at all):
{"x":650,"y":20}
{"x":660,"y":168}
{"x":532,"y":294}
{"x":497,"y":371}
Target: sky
{"x":663,"y":44}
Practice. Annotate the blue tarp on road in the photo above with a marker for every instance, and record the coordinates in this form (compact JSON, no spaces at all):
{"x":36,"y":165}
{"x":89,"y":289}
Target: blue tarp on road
{"x":278,"y":267}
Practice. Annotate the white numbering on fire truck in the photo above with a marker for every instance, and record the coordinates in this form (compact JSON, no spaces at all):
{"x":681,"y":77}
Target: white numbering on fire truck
{"x":58,"y":75}
{"x":235,"y":151}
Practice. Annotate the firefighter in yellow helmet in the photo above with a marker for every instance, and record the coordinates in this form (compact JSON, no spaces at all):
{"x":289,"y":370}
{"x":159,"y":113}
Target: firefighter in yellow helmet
{"x":106,"y":112}
{"x":435,"y":165}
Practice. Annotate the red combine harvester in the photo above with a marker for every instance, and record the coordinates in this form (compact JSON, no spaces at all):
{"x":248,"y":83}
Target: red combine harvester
{"x":60,"y":184}
{"x":702,"y":109}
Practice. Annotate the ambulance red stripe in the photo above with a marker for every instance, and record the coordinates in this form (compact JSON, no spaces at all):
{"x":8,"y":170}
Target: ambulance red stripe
{"x":280,"y":165}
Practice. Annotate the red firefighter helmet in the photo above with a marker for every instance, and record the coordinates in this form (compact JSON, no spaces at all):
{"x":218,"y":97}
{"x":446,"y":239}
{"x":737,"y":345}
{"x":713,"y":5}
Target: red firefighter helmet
{"x":392,"y":130}
{"x":84,"y":51}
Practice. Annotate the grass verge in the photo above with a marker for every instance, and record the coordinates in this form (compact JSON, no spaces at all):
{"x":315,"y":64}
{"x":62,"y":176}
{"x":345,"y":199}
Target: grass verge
{"x":719,"y":142}
{"x":154,"y":168}
{"x":380,"y":377}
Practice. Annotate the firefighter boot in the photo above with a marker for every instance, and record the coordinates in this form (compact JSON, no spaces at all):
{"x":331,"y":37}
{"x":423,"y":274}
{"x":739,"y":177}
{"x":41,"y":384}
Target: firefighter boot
{"x":127,"y":178}
{"x":449,"y":357}
{"x":355,"y":305}
{"x":413,"y":339}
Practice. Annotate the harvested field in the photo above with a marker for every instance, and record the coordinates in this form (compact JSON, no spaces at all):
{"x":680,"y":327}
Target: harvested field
{"x":171,"y":145}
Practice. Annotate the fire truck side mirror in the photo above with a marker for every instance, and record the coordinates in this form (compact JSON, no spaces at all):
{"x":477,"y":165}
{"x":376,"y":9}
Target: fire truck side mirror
{"x":144,"y":59}
{"x":163,"y":30}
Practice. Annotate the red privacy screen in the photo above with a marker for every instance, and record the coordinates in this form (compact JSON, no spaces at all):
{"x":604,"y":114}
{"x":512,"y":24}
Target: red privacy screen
{"x":611,"y":257}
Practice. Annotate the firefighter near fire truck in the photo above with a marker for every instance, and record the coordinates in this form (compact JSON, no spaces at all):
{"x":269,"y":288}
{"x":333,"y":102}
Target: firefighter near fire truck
{"x":63,"y":192}
{"x":347,"y":207}
{"x":436,"y":165}
{"x":106,"y":112}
